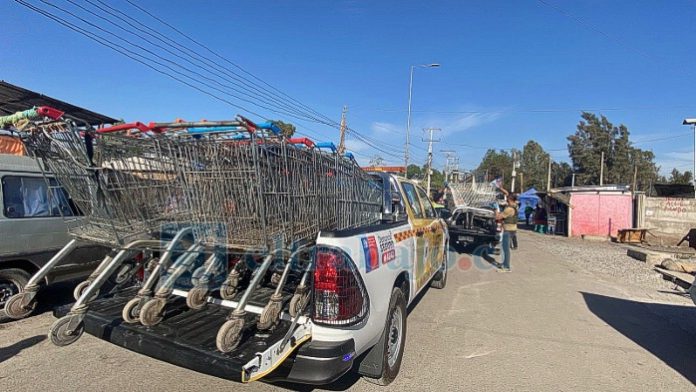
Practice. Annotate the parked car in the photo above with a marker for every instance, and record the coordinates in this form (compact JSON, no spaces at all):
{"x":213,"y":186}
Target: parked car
{"x":33,"y":228}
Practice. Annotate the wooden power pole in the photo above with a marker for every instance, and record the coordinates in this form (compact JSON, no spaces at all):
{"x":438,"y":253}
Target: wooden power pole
{"x":342,"y":142}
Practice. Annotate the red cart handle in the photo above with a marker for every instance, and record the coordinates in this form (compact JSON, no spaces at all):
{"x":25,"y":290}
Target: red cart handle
{"x":302,"y":140}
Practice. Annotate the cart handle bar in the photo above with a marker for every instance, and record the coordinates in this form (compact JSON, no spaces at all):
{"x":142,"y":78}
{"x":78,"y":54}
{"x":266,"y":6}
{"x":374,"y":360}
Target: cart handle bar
{"x":302,"y":140}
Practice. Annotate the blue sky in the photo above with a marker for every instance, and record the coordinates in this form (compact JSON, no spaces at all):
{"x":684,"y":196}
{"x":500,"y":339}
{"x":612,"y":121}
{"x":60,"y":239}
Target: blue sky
{"x":511,"y":70}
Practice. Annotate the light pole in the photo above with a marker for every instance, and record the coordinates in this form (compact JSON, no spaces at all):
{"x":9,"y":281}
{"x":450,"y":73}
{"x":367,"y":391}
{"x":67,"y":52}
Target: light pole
{"x":408,"y":120}
{"x":692,"y":122}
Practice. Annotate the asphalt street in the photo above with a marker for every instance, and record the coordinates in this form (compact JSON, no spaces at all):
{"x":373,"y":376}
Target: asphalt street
{"x":546,"y":326}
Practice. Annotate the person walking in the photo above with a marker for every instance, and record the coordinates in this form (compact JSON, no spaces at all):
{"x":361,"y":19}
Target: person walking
{"x":528,"y":210}
{"x":509,"y":217}
{"x":540,"y":219}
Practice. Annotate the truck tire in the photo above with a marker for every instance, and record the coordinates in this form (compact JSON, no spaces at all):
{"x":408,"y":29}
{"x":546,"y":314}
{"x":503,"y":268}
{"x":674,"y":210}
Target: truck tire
{"x":440,"y":279}
{"x":393,"y":339}
{"x":12,"y":281}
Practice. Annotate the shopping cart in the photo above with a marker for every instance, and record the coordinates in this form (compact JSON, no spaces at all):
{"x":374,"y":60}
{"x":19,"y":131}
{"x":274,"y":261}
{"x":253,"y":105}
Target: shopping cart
{"x":123,"y":195}
{"x":257,"y":194}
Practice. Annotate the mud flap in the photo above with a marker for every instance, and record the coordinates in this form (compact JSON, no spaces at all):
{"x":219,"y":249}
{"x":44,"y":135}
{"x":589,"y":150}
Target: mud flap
{"x":267,"y":361}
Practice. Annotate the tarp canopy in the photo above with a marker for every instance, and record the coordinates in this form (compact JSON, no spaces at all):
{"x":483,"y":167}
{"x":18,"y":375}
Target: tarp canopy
{"x":527,"y":198}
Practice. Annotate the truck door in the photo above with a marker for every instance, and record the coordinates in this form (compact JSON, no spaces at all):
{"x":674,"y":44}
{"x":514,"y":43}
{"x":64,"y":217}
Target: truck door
{"x":426,"y":248}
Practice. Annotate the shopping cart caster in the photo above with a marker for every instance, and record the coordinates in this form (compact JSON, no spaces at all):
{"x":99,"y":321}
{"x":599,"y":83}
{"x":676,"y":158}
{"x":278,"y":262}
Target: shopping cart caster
{"x":131,"y":312}
{"x":197,"y":298}
{"x":151,"y":312}
{"x":299,"y":301}
{"x":62,"y":333}
{"x":271,"y":313}
{"x":229,"y":287}
{"x":229,"y":335}
{"x":80,"y":288}
{"x":14,"y":308}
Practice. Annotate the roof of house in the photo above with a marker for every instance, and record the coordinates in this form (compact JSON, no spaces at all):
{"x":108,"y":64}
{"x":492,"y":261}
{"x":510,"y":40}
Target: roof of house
{"x":14,"y":99}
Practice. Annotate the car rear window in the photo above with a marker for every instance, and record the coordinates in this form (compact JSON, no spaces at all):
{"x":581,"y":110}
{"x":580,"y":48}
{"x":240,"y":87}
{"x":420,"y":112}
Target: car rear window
{"x":31,"y":197}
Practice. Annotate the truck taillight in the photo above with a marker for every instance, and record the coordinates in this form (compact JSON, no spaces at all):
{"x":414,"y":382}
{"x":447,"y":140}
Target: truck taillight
{"x":340,"y":297}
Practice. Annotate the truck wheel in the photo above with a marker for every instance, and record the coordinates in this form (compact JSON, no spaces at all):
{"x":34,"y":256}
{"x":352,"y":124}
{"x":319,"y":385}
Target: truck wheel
{"x":12,"y":281}
{"x":440,"y":279}
{"x":393,"y":339}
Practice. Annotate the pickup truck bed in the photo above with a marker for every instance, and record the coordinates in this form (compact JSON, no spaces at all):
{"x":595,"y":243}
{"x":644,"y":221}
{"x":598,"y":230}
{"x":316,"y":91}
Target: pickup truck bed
{"x":184,"y":338}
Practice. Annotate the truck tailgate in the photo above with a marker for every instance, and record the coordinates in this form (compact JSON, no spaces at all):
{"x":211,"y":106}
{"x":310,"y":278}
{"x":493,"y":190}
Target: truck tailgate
{"x":184,"y":338}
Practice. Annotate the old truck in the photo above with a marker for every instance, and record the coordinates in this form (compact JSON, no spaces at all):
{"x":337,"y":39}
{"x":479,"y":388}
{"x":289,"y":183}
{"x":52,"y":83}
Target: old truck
{"x":471,"y":217}
{"x":361,"y":283}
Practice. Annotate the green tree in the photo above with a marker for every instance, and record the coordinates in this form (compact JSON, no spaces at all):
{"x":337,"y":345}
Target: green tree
{"x":287,"y":129}
{"x":496,"y":163}
{"x":414,"y":171}
{"x":596,"y":135}
{"x":677,"y":177}
{"x":533,"y":166}
{"x":561,"y":174}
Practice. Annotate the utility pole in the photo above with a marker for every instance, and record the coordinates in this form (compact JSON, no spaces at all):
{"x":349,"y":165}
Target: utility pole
{"x":601,"y":171}
{"x":430,"y":154}
{"x":572,"y":183}
{"x":521,"y":182}
{"x":342,"y":142}
{"x":515,"y":165}
{"x":548,"y":177}
{"x":452,"y":163}
{"x":635,"y":177}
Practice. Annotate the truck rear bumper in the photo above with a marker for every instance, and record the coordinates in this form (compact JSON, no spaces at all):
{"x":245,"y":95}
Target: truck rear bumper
{"x":317,"y":363}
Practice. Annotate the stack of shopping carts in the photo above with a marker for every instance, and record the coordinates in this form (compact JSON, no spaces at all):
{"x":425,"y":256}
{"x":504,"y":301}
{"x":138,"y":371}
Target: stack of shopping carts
{"x":200,"y":197}
{"x":472,"y":193}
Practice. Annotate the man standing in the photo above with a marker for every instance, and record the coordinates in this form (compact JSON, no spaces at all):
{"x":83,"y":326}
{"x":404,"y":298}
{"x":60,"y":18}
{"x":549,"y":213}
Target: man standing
{"x":509,"y":217}
{"x":528,"y":213}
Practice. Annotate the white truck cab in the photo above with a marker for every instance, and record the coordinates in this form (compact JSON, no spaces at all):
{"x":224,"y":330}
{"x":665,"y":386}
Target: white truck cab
{"x":363,"y":282}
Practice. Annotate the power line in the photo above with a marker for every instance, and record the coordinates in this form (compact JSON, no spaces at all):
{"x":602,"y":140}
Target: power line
{"x":178,"y":75}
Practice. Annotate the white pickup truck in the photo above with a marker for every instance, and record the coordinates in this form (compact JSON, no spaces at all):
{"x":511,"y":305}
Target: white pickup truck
{"x":362,"y":282}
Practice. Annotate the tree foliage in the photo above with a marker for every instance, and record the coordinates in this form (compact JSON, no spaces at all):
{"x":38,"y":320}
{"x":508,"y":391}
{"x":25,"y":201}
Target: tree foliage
{"x":596,"y":135}
{"x":496,"y":163}
{"x":677,"y":177}
{"x":287,"y":129}
{"x":533,"y":166}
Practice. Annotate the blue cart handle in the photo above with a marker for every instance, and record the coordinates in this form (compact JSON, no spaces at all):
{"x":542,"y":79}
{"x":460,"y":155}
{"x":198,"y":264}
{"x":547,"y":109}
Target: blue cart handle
{"x":326,"y":145}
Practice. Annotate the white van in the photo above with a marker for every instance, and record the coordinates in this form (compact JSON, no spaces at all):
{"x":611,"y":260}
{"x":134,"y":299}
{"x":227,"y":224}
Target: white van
{"x":32,"y":229}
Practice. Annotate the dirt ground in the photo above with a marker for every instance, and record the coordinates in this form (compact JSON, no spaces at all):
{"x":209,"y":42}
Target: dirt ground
{"x":560,"y":321}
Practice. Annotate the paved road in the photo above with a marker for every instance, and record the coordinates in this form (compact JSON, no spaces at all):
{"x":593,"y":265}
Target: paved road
{"x":547,"y":326}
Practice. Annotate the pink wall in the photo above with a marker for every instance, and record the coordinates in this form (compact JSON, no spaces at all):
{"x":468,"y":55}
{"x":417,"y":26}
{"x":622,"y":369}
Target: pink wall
{"x":600,"y":214}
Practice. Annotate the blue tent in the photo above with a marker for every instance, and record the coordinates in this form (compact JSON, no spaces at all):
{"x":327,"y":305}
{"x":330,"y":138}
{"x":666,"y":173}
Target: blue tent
{"x":528,"y":197}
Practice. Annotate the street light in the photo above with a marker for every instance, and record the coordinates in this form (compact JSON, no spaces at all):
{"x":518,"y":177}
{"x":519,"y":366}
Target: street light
{"x":692,"y":122}
{"x":410,"y":96}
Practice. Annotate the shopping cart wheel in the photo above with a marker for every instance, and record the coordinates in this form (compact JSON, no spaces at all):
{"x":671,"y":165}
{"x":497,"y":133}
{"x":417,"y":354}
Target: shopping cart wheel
{"x":60,"y":333}
{"x":151,"y":312}
{"x":270,"y":315}
{"x":131,"y":312}
{"x":14,"y":308}
{"x":229,"y":335}
{"x":229,"y":287}
{"x":80,"y":288}
{"x":197,"y":298}
{"x":298,"y":303}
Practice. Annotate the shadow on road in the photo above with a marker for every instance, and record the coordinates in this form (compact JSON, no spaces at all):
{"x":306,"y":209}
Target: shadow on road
{"x":648,"y":325}
{"x":14,"y":349}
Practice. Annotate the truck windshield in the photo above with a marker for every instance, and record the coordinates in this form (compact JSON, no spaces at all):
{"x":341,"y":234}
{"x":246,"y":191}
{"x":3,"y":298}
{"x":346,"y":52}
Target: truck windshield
{"x":429,"y":210}
{"x":412,"y":196}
